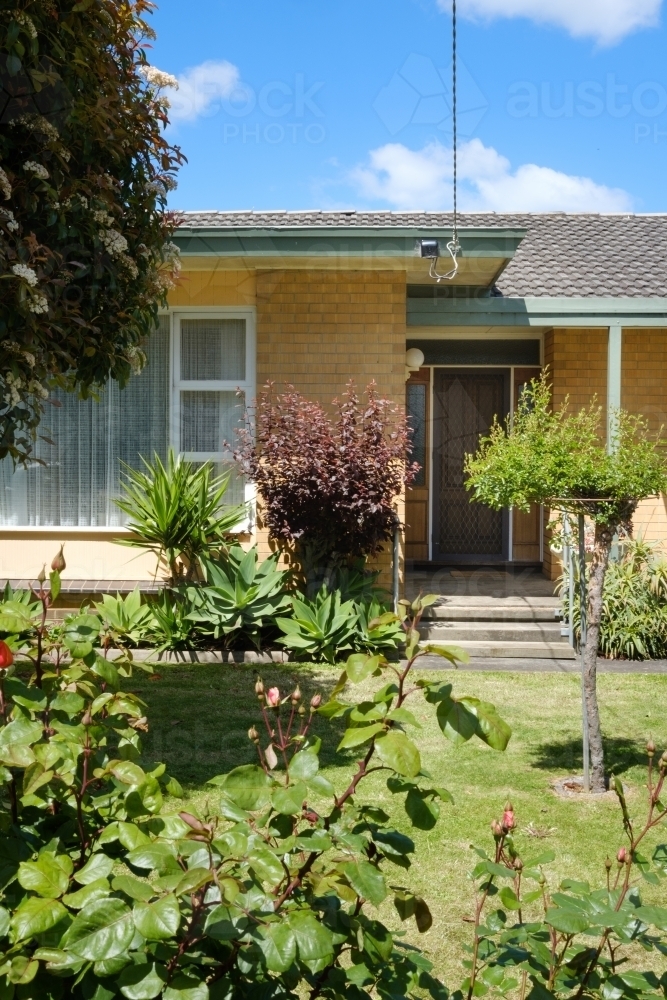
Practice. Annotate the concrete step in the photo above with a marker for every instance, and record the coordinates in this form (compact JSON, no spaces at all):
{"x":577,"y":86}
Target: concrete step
{"x":492,"y":631}
{"x":483,"y":613}
{"x":503,"y":650}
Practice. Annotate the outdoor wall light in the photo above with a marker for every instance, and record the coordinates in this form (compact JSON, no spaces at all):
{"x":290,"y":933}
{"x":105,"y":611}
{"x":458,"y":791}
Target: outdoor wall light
{"x":414,"y":359}
{"x":428,"y":248}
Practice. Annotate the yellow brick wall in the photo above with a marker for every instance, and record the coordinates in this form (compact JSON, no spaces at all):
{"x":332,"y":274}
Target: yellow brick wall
{"x":213,"y":287}
{"x":577,"y":361}
{"x":316,"y":330}
{"x":644,"y":390}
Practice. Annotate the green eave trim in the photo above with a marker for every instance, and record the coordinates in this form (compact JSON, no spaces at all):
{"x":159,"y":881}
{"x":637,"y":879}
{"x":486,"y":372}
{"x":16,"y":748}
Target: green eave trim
{"x":537,"y":311}
{"x":387,"y":241}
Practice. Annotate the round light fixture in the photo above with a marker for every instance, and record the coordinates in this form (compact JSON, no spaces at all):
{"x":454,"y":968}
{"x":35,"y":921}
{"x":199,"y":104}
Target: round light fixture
{"x":414,"y":358}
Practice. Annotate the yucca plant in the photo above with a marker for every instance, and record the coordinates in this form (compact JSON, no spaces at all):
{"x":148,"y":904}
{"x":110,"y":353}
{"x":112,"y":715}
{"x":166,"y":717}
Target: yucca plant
{"x":177,"y":512}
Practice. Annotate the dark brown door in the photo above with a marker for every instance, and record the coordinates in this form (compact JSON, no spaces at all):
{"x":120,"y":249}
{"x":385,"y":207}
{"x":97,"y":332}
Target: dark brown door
{"x":464,"y":407}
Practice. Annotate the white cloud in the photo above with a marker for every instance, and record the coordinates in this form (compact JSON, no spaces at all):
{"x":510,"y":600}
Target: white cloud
{"x":200,"y":90}
{"x":607,"y":21}
{"x":422,"y":180}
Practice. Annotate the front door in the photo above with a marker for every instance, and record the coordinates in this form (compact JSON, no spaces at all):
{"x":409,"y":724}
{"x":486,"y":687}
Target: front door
{"x":465,"y":404}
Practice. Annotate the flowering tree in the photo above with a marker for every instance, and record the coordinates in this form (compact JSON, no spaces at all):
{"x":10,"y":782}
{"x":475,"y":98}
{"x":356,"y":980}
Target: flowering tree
{"x":330,"y":486}
{"x":559,"y":458}
{"x":85,"y":257}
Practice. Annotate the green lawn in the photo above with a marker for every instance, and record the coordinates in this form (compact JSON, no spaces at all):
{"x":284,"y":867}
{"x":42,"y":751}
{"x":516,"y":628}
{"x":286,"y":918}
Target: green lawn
{"x":199,"y":717}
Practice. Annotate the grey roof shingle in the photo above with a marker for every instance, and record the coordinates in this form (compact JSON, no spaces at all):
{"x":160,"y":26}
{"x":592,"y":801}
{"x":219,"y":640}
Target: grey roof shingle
{"x":568,"y":255}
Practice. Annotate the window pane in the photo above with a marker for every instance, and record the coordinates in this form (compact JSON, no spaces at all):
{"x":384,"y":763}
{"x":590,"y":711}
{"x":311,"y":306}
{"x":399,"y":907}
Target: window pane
{"x":73,"y":481}
{"x":416,"y":408}
{"x":213,"y":350}
{"x":209,"y":421}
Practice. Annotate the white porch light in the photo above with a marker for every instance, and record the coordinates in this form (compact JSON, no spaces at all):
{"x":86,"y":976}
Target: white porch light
{"x":414,"y":359}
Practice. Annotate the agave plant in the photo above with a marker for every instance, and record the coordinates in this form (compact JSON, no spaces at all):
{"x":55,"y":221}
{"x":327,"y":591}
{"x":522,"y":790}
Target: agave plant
{"x":321,"y":629}
{"x":125,"y":619}
{"x":378,"y":630}
{"x":241,"y":595}
{"x":177,"y":511}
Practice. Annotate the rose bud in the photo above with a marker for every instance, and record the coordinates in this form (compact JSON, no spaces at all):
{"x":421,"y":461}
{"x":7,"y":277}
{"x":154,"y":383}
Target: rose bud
{"x":192,"y":822}
{"x":273,"y":698}
{"x":607,"y":863}
{"x":315,"y":702}
{"x":650,"y":748}
{"x":253,"y":735}
{"x":59,"y":564}
{"x":301,"y":710}
{"x":508,"y":817}
{"x":663,"y":759}
{"x":259,"y":688}
{"x":496,"y":829}
{"x":87,"y":719}
{"x":296,"y":695}
{"x":622,"y":856}
{"x":6,"y":655}
{"x":517,"y":864}
{"x":41,"y":576}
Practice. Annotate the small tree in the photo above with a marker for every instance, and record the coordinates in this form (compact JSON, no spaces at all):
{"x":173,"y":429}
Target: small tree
{"x":327,"y":485}
{"x":558,"y":458}
{"x":85,"y":257}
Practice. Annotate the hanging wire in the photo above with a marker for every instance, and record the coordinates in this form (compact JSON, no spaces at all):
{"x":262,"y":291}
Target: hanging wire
{"x":453,"y":246}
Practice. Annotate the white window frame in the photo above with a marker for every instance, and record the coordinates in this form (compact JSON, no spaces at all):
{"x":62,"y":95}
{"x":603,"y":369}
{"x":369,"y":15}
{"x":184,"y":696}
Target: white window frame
{"x":178,"y":385}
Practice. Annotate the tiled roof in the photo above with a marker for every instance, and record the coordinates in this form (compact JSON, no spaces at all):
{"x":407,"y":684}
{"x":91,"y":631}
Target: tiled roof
{"x":569,"y":255}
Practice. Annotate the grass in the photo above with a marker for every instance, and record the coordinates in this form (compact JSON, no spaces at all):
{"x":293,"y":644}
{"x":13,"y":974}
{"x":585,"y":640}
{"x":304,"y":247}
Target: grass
{"x":200,"y":715}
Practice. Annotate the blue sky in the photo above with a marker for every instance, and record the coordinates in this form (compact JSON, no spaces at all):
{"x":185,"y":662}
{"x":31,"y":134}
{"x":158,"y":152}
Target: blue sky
{"x":304,"y":104}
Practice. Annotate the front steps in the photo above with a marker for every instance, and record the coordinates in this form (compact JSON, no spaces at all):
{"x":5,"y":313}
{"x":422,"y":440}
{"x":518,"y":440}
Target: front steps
{"x":499,"y":627}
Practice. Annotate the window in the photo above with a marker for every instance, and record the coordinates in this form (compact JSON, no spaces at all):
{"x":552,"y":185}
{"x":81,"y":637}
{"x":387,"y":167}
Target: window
{"x":191,"y":395}
{"x":416,"y":411}
{"x":213,"y":378}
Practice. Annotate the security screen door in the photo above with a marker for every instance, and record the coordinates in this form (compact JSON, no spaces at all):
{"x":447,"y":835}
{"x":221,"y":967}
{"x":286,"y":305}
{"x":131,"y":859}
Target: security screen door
{"x":465,"y":404}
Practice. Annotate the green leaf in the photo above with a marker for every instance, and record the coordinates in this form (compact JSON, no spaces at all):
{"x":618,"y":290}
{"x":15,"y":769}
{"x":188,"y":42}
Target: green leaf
{"x":49,"y":875}
{"x":313,"y":840}
{"x":36,"y":916}
{"x":656,"y":915}
{"x":102,"y":930}
{"x":567,"y":921}
{"x":154,"y":856}
{"x":304,"y":765}
{"x":132,"y":887}
{"x":289,"y":801}
{"x":362,"y":734}
{"x":509,"y":898}
{"x":278,"y":945}
{"x":403,"y":715}
{"x":378,"y":941}
{"x":456,"y":721}
{"x":186,"y":988}
{"x":366,"y":881}
{"x":98,"y":866}
{"x":490,"y":727}
{"x":455,"y":654}
{"x":142,"y":982}
{"x":359,"y":666}
{"x":422,"y":809}
{"x":158,"y":921}
{"x":398,"y":752}
{"x":266,"y":865}
{"x":94,"y":890}
{"x":248,"y":786}
{"x":314,"y":940}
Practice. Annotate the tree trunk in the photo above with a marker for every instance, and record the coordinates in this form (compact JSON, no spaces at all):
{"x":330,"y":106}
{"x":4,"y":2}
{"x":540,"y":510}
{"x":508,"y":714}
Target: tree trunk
{"x":604,"y":535}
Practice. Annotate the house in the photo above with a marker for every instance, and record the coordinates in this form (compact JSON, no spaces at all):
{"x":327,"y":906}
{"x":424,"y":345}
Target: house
{"x":316,"y":298}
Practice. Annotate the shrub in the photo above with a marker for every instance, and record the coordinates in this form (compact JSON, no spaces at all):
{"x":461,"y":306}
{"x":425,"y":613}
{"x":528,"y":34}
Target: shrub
{"x":576,"y":941}
{"x":177,"y":511}
{"x":321,"y":629}
{"x":634,"y":604}
{"x":125,"y":620}
{"x":272,"y":890}
{"x":328,"y":486}
{"x":85,"y":256}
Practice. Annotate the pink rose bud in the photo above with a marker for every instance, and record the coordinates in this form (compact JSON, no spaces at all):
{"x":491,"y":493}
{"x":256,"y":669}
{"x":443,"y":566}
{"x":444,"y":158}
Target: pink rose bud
{"x":315,"y":702}
{"x":296,"y":695}
{"x":497,"y":829}
{"x":622,"y":856}
{"x":273,"y":697}
{"x":508,"y":817}
{"x":58,"y":564}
